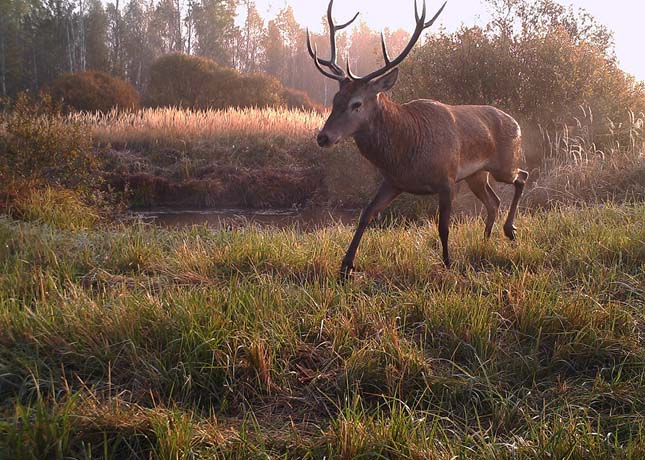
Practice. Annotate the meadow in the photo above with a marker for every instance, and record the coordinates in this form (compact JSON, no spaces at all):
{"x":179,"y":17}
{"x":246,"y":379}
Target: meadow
{"x":140,"y":342}
{"x":127,"y":340}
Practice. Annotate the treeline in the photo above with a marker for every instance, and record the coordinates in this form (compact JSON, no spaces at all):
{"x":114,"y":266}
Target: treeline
{"x":43,"y":39}
{"x":537,"y":59}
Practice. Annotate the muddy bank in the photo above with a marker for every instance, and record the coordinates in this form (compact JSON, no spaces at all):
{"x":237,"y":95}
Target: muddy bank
{"x":263,"y":177}
{"x":221,"y":187}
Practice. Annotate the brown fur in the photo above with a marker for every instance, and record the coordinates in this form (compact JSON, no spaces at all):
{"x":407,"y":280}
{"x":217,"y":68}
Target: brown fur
{"x":426,"y":147}
{"x":420,"y":145}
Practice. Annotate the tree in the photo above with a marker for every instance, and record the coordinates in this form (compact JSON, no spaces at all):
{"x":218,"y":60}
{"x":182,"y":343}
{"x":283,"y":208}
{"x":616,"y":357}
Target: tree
{"x":275,"y":50}
{"x":96,"y":37}
{"x":115,"y":37}
{"x":166,"y":27}
{"x":12,"y":39}
{"x":214,"y":25}
{"x":138,"y":53}
{"x":253,"y":35}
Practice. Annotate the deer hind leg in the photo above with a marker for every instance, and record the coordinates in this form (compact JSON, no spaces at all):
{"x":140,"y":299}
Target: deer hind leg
{"x":518,"y":183}
{"x":385,"y":195}
{"x":445,"y":209}
{"x":478,"y":184}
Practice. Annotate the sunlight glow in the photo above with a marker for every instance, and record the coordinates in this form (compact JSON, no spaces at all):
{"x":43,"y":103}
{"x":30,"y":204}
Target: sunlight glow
{"x":624,"y":17}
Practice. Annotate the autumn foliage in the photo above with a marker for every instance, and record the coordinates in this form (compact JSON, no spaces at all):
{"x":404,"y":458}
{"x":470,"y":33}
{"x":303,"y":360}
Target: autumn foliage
{"x":180,"y":80}
{"x":94,"y":91}
{"x":537,"y":60}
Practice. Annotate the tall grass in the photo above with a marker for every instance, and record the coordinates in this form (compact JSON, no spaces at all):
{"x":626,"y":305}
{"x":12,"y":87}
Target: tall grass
{"x":171,"y":126}
{"x":140,"y":342}
{"x":227,"y":158}
{"x":581,"y":165}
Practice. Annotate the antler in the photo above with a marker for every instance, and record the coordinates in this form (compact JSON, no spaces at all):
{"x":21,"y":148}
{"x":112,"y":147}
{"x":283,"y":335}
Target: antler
{"x":389,"y":63}
{"x":336,"y":72}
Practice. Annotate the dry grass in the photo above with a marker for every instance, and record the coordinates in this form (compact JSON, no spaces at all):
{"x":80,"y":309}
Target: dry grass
{"x":582,"y":166}
{"x":172,"y":126}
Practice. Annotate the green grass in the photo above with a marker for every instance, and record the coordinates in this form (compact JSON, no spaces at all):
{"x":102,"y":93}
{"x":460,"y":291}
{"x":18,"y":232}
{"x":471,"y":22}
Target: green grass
{"x":140,"y":342}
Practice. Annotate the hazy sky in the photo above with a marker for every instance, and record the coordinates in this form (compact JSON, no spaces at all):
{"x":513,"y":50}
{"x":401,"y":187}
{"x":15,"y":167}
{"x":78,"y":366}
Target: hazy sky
{"x":625,"y":17}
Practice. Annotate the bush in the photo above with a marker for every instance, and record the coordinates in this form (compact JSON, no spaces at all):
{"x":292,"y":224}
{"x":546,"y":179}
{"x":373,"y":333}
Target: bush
{"x":296,"y":99}
{"x":94,"y":91}
{"x":182,"y":81}
{"x":39,"y":144}
{"x":178,"y":80}
{"x":253,"y":90}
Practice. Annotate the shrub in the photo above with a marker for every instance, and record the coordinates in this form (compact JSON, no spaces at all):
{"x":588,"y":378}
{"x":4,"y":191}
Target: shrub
{"x":94,"y":91}
{"x":182,"y":81}
{"x":296,"y":99}
{"x":178,"y":80}
{"x":253,"y":90}
{"x":38,"y":144}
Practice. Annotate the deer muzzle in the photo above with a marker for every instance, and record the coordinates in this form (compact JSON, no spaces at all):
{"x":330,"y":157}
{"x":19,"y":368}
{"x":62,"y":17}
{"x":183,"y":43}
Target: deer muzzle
{"x":324,"y":140}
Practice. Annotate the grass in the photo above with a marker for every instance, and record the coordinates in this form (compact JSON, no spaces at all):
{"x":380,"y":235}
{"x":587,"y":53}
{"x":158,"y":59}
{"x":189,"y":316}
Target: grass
{"x":141,"y":342}
{"x":173,"y":127}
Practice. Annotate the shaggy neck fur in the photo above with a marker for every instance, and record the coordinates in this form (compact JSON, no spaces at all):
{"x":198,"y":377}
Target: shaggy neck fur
{"x":389,"y":138}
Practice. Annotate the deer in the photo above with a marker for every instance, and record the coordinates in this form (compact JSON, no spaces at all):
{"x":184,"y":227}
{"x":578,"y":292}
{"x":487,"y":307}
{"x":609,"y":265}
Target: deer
{"x":422,"y":147}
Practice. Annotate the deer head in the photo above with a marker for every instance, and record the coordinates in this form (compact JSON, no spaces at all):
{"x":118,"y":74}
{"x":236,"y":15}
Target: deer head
{"x":356,"y":103}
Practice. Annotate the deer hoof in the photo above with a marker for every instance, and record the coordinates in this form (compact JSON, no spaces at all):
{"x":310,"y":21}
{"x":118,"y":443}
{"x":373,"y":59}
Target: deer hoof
{"x":509,"y":231}
{"x":346,"y":271}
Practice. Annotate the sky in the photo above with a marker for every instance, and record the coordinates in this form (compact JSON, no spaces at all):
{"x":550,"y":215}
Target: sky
{"x":624,"y":17}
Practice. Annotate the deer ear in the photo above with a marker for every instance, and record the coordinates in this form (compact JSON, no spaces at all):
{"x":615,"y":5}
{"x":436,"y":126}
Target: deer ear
{"x":386,"y":82}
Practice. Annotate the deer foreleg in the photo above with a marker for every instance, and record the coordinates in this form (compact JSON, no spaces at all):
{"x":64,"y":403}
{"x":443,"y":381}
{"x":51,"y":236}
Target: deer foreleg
{"x":385,"y":195}
{"x":518,"y":183}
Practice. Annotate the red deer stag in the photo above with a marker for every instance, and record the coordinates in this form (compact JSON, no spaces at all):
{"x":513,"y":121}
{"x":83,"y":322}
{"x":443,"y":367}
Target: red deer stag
{"x":421,"y":147}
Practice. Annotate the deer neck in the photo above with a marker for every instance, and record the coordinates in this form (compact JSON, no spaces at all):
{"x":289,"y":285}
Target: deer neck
{"x":385,"y":141}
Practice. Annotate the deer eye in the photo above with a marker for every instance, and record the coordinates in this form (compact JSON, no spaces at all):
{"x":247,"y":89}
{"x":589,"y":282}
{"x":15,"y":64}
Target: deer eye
{"x":356,"y":105}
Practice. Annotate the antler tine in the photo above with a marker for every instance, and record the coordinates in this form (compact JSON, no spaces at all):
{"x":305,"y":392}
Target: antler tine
{"x":330,"y":19}
{"x":349,"y":71}
{"x":434,"y":18}
{"x":384,"y":47}
{"x":311,"y":51}
{"x":423,"y":12}
{"x":419,"y":28}
{"x":334,"y":76}
{"x":313,"y":54}
{"x":342,"y":26}
{"x":336,"y":72}
{"x":332,"y":36}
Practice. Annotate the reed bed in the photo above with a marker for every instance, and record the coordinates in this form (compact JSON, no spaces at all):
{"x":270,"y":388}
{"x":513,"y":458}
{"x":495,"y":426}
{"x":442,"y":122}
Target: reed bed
{"x":171,"y":126}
